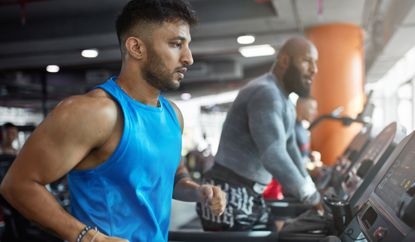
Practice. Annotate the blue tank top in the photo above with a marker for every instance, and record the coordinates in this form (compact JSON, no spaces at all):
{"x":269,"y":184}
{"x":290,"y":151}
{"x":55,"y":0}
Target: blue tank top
{"x":129,"y":195}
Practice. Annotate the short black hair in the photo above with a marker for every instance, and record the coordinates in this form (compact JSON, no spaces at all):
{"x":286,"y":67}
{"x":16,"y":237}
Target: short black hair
{"x":138,"y":12}
{"x":9,"y":125}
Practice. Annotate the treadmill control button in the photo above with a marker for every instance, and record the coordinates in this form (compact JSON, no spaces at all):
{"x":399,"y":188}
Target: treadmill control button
{"x":380,"y":233}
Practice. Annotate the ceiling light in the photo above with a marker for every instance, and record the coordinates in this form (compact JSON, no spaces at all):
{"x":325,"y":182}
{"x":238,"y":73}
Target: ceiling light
{"x":256,"y":50}
{"x":246,"y":39}
{"x":90,"y":53}
{"x":52,"y":68}
{"x":186,"y":96}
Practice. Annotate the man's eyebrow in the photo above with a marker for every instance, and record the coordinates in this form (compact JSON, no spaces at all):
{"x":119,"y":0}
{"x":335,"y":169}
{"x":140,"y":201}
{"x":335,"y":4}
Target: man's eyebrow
{"x":179,"y":37}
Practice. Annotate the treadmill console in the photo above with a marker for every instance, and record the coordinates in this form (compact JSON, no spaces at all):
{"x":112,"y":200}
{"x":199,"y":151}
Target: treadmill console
{"x":399,"y":179}
{"x":389,"y":213}
{"x":378,"y":150}
{"x":353,"y":151}
{"x":346,"y":160}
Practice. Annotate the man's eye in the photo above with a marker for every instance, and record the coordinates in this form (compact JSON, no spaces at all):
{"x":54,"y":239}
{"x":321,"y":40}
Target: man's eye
{"x":177,"y":45}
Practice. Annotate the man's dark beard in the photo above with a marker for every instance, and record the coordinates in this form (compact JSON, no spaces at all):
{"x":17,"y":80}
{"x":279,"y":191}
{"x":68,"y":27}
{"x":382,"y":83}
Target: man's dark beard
{"x":156,"y":74}
{"x":293,"y":81}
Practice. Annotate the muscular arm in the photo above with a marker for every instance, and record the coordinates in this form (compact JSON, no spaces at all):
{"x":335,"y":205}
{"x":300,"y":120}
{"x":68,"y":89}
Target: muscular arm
{"x":58,"y":145}
{"x":189,"y":191}
{"x":265,"y":114}
{"x":186,"y":189}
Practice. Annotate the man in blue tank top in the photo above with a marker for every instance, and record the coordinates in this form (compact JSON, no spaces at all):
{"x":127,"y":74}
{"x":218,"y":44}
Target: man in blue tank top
{"x":120,"y":143}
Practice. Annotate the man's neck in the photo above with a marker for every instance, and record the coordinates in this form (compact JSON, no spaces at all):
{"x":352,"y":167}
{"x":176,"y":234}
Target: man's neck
{"x":138,"y":88}
{"x":279,"y":74}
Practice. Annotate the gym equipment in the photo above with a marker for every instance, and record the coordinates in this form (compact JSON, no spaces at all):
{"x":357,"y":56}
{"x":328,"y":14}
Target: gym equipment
{"x":332,"y":176}
{"x":341,"y":199}
{"x":199,"y":236}
{"x":287,"y":207}
{"x":388,"y":214}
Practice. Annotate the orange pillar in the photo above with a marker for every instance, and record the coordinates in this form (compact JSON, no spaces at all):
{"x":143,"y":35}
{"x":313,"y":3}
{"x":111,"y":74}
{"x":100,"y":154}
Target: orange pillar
{"x":339,"y":82}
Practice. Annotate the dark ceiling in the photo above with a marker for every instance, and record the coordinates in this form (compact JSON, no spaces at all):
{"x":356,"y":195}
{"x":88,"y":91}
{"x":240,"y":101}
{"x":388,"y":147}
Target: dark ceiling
{"x":36,"y":33}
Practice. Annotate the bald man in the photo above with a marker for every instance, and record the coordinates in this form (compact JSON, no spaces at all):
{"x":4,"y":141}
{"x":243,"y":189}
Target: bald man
{"x":258,"y":143}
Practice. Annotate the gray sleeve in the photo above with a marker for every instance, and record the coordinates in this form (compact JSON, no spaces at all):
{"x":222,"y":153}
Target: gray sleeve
{"x":267,"y":129}
{"x":295,"y":154}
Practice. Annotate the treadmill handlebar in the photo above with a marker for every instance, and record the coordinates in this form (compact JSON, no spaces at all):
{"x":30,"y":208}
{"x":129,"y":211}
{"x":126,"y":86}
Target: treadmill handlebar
{"x":364,"y":117}
{"x":201,"y":236}
{"x":345,"y":120}
{"x":341,"y":211}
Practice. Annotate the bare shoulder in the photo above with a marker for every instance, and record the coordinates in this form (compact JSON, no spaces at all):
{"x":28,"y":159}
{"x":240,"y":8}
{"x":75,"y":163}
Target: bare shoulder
{"x":95,"y":111}
{"x":95,"y":104}
{"x":178,"y":113}
{"x":75,"y":127}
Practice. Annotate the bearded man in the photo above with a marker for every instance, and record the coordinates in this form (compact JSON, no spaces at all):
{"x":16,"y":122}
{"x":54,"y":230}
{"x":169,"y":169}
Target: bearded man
{"x":258,"y":142}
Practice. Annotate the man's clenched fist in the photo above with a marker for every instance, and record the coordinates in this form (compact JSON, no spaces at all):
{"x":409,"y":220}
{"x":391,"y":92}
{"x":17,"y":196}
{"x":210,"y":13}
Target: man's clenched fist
{"x":213,"y":197}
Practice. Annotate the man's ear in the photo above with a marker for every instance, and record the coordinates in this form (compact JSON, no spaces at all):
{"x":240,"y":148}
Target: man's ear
{"x":283,"y":60}
{"x":135,"y":47}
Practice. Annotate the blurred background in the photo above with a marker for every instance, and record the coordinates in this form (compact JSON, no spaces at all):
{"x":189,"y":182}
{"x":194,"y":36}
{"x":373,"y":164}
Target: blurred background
{"x":51,"y":49}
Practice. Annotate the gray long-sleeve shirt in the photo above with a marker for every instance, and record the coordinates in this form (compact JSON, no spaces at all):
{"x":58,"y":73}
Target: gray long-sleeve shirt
{"x":258,"y":139}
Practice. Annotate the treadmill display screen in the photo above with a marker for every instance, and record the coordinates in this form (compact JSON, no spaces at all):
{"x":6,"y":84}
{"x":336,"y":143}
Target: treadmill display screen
{"x":398,"y":179}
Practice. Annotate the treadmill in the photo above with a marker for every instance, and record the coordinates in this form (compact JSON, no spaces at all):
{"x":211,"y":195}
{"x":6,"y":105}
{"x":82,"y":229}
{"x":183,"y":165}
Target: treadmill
{"x":290,"y":207}
{"x":358,"y":176}
{"x":349,"y":157}
{"x":282,"y":208}
{"x":287,"y":208}
{"x":339,"y":201}
{"x":389,"y":213}
{"x":336,"y":175}
{"x":200,"y":236}
{"x":386,"y":137}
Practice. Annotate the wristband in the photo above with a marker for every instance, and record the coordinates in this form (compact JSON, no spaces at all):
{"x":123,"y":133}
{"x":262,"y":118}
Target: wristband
{"x":180,"y":176}
{"x":84,"y":232}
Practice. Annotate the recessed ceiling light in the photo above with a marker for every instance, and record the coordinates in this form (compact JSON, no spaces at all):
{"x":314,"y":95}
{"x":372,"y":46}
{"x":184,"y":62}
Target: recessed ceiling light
{"x":256,"y":50}
{"x":52,"y":68}
{"x":246,"y":39}
{"x":90,"y":53}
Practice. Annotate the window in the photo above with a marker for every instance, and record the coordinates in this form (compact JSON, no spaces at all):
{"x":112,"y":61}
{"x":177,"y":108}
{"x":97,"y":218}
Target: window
{"x":405,"y":105}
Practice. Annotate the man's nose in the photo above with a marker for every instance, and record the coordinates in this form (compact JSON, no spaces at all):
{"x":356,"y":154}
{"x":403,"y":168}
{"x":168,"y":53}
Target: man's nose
{"x":187,"y":58}
{"x":313,"y":68}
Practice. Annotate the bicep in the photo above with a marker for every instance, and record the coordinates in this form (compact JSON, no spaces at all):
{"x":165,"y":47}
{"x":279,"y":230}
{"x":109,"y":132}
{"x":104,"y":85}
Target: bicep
{"x":46,"y":158}
{"x":60,"y":142}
